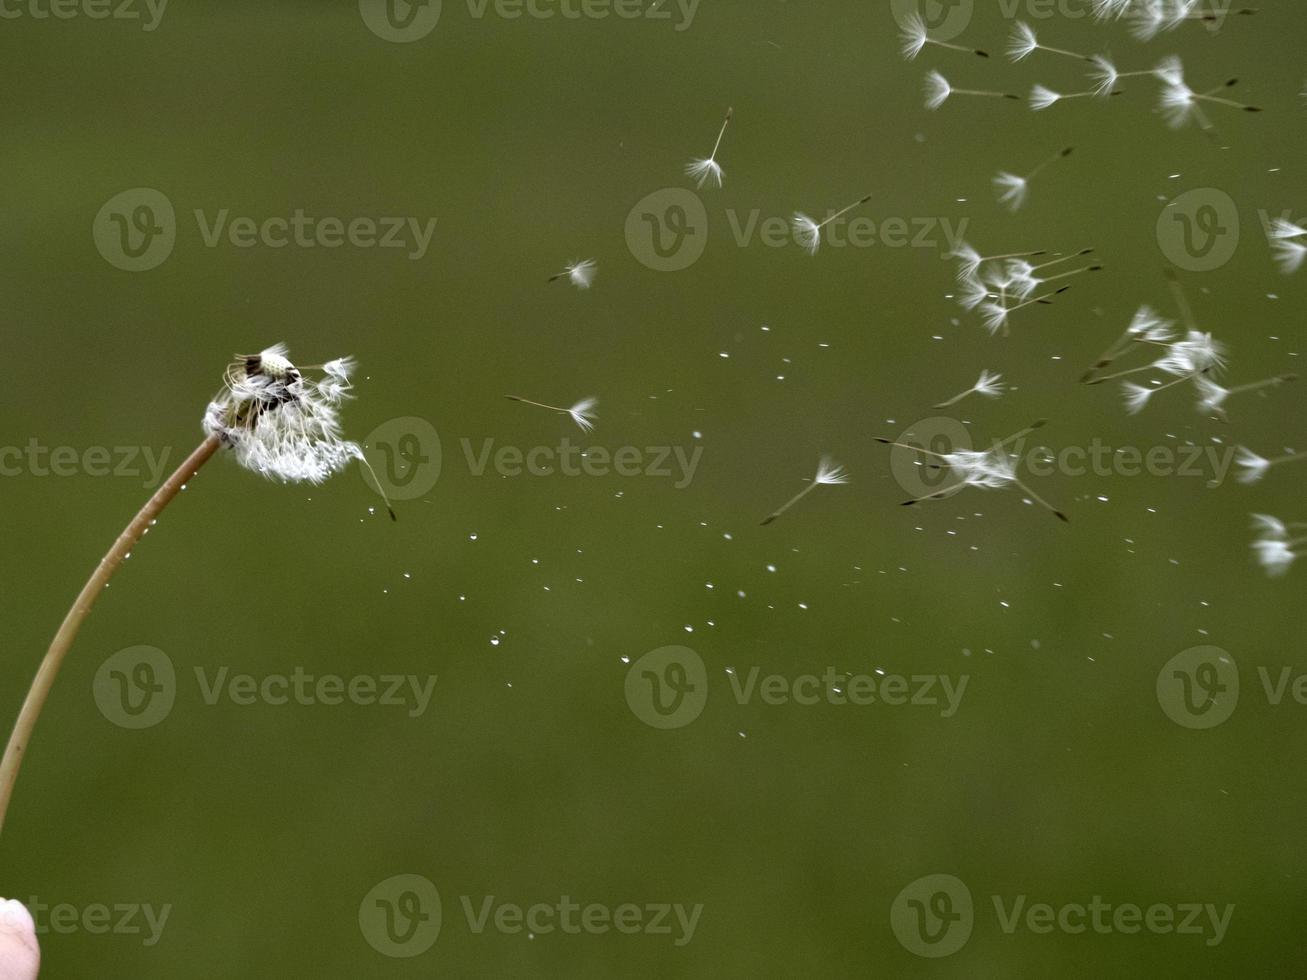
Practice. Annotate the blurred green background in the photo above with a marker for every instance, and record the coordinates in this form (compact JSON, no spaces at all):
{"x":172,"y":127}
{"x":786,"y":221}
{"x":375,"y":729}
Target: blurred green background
{"x":529,"y":776}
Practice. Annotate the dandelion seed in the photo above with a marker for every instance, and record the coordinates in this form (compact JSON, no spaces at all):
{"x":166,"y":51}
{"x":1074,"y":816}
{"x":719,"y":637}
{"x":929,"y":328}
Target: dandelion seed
{"x":582,"y":413}
{"x":938,"y":91}
{"x":1290,"y":254}
{"x":1179,"y":103}
{"x":829,"y":473}
{"x":1212,"y":396}
{"x":990,"y":470}
{"x":988,"y":385}
{"x":915,"y":36}
{"x":704,"y":171}
{"x":580,"y":274}
{"x":971,"y":260}
{"x":996,"y":315}
{"x":1041,"y":97}
{"x":1111,"y":9}
{"x":808,"y":232}
{"x":1013,"y":190}
{"x":1255,"y":467}
{"x":1024,"y":42}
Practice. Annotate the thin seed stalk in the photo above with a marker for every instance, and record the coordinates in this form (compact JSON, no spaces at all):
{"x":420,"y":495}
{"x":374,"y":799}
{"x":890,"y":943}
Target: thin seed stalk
{"x":81,"y":608}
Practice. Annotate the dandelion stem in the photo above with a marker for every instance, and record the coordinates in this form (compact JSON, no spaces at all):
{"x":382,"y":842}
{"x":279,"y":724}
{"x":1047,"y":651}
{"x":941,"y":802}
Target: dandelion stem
{"x":718,"y":145}
{"x":790,"y":503}
{"x":1268,"y":383}
{"x":992,"y":95}
{"x":845,"y":211}
{"x":955,"y":399}
{"x":956,"y":47}
{"x":527,"y":401}
{"x":1286,"y":458}
{"x":1064,"y":258}
{"x":1049,"y":162}
{"x":1042,"y":502}
{"x":81,"y":608}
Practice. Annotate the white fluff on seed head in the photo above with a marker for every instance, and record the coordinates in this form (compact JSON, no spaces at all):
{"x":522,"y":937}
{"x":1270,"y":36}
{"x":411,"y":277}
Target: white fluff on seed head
{"x":279,"y":423}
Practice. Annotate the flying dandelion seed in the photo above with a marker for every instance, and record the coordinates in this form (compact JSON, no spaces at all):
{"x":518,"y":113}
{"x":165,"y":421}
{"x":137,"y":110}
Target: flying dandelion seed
{"x":709,"y":170}
{"x":1024,"y":42}
{"x":829,"y":473}
{"x":939,"y":90}
{"x":988,"y":385}
{"x":579,"y":274}
{"x":915,"y":36}
{"x":807,"y":232}
{"x":1274,"y":547}
{"x":1013,"y":191}
{"x":582,"y":413}
{"x":1254,"y":467}
{"x":992,"y":469}
{"x":1290,"y":253}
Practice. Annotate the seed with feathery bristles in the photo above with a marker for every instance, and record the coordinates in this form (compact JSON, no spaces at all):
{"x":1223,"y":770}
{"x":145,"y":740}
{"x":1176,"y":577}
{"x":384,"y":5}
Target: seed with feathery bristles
{"x":1255,"y":467}
{"x":807,"y":231}
{"x":579,"y":274}
{"x":709,"y":170}
{"x":1275,"y":547}
{"x":829,"y":474}
{"x":1013,"y":189}
{"x":1290,"y":253}
{"x":988,"y":385}
{"x":1212,"y":396}
{"x":992,"y":469}
{"x":582,"y":413}
{"x":1024,"y":42}
{"x":939,"y":89}
{"x":915,"y":36}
